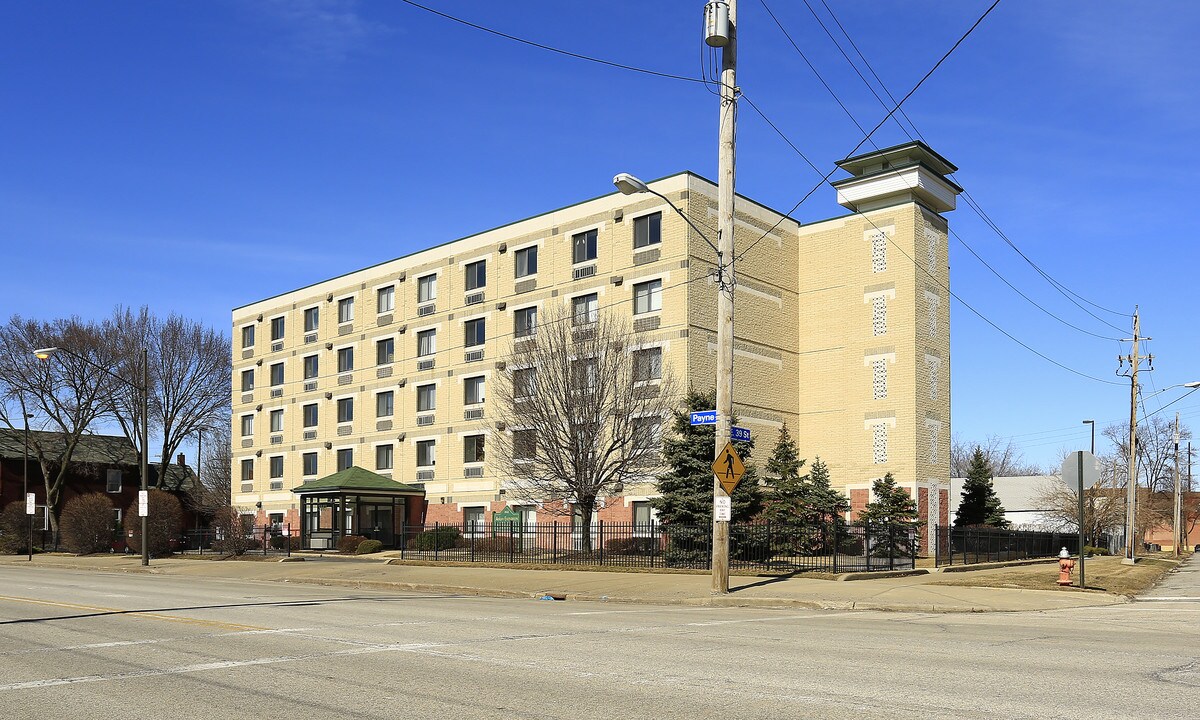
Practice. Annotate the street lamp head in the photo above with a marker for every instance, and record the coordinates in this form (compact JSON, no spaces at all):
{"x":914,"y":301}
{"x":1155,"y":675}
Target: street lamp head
{"x":1088,"y":422}
{"x":629,"y":185}
{"x":1192,"y":384}
{"x":45,"y":353}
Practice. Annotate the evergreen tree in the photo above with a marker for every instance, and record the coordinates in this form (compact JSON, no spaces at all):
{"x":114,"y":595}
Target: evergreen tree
{"x":687,"y":485}
{"x":979,"y":504}
{"x":785,"y":499}
{"x":821,"y":498}
{"x":890,"y":517}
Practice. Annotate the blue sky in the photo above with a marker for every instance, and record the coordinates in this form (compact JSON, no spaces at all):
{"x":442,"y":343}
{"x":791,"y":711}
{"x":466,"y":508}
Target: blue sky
{"x":199,"y":156}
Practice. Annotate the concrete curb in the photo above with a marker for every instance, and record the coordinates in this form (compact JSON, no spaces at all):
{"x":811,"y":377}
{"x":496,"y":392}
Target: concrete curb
{"x":847,"y":577}
{"x":995,"y":565}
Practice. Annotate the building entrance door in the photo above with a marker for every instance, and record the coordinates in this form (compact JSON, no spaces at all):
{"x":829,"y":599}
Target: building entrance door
{"x":375,"y":523}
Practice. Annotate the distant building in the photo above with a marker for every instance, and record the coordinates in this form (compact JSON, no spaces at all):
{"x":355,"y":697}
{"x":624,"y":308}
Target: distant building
{"x":842,"y":333}
{"x":1018,"y":494}
{"x":100,"y":463}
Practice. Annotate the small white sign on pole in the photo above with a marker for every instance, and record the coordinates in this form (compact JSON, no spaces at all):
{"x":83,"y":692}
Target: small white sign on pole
{"x":143,"y":503}
{"x":722,"y":508}
{"x":30,"y":504}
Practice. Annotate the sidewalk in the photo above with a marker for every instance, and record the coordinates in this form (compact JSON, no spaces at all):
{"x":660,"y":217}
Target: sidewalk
{"x":908,"y":594}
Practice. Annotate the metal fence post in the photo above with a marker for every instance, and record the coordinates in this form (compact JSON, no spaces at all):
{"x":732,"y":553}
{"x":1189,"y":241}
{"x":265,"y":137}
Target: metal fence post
{"x":437,"y":540}
{"x":554,"y":542}
{"x":289,"y":539}
{"x":511,"y":534}
{"x":836,"y":545}
{"x":601,"y":556}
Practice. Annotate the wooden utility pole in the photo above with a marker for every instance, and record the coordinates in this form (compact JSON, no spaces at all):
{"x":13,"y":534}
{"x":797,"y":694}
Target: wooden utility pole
{"x":725,"y":284}
{"x":1177,"y":524}
{"x":1131,"y":489}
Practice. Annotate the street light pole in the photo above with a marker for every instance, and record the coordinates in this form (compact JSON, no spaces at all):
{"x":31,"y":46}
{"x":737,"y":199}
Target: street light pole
{"x":47,"y":353}
{"x":1093,"y":424}
{"x":1176,"y":523}
{"x":25,"y":480}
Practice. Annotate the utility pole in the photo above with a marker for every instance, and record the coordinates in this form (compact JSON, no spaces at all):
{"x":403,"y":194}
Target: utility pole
{"x":1176,"y":525}
{"x":723,"y":33}
{"x":1131,"y":489}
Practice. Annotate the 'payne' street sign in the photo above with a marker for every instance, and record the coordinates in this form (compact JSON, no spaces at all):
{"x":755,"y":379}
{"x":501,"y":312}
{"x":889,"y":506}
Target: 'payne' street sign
{"x":704,"y":417}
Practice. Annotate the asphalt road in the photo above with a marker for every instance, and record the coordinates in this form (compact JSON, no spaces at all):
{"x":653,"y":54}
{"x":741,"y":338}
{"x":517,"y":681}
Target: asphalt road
{"x":77,"y":644}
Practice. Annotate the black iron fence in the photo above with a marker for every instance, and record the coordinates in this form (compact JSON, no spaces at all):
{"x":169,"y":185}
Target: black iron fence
{"x":264,"y":540}
{"x":762,"y":547}
{"x":969,"y":545}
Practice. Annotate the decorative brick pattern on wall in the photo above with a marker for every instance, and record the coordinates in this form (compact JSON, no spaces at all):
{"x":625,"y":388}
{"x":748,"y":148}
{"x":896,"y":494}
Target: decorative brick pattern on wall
{"x":879,"y":443}
{"x":879,"y":379}
{"x":878,"y":251}
{"x":879,"y":315}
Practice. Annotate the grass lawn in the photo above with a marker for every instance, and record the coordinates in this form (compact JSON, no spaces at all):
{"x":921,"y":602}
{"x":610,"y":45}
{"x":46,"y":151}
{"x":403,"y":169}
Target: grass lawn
{"x":1104,"y":574}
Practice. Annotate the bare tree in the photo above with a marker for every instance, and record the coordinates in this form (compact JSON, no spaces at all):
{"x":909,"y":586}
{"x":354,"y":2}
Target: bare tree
{"x":63,"y":395}
{"x":1103,"y":507}
{"x":1155,"y":464}
{"x":216,"y":478}
{"x":1001,"y":453}
{"x":581,"y":407}
{"x":189,"y":377}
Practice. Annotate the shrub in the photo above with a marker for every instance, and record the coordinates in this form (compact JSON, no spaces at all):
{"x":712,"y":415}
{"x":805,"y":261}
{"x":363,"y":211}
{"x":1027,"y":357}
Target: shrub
{"x":498,"y":544}
{"x":285,"y":542}
{"x":348,"y":545}
{"x":232,"y":536}
{"x":14,"y":528}
{"x":366,"y":547}
{"x":632,"y":546}
{"x":87,"y":523}
{"x":1095,"y":550}
{"x":442,"y":538}
{"x":162,"y":526}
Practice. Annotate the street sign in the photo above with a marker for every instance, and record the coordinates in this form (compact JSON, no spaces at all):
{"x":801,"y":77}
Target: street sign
{"x":739,"y":434}
{"x":728,"y":468}
{"x":30,"y":504}
{"x":723,"y":508}
{"x":1091,"y":469}
{"x":143,"y":503}
{"x":704,"y":417}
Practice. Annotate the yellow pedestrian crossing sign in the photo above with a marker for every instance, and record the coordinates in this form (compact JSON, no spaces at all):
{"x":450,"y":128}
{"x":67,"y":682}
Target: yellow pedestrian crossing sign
{"x":728,"y":468}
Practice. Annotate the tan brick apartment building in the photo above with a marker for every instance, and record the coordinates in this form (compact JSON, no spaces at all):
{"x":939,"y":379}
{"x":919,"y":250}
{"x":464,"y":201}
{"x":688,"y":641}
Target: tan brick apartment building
{"x":842,"y":332}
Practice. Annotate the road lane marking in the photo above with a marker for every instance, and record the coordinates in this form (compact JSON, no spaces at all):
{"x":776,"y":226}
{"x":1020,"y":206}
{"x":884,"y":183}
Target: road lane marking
{"x":132,"y":613}
{"x":154,"y":641}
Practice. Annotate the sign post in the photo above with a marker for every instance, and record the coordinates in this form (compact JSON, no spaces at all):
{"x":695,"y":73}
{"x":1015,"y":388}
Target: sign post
{"x":1081,"y":469}
{"x":30,"y":510}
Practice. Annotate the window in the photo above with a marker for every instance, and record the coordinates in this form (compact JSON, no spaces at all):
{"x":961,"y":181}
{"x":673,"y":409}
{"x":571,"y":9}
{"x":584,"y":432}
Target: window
{"x":583,"y":373}
{"x":113,"y":484}
{"x":473,"y":520}
{"x":583,"y":246}
{"x":277,"y":328}
{"x":247,"y":470}
{"x":473,"y":448}
{"x":310,"y":463}
{"x":384,"y":403}
{"x":427,"y":288}
{"x":476,"y":274}
{"x":426,"y":398}
{"x":525,"y":322}
{"x":426,"y":342}
{"x":383,"y":457}
{"x":426,"y":453}
{"x":312,"y":319}
{"x":248,"y":336}
{"x":346,"y":310}
{"x":641,"y":513}
{"x":385,"y":299}
{"x":524,"y":382}
{"x":345,"y":458}
{"x":476,"y":331}
{"x":310,"y":415}
{"x":524,"y":444}
{"x":473,"y":390}
{"x":276,"y":421}
{"x":647,"y":364}
{"x":647,"y":230}
{"x":385,"y":351}
{"x":345,"y":410}
{"x":276,"y":374}
{"x":647,"y":433}
{"x":248,"y":380}
{"x":647,"y":297}
{"x":247,"y":425}
{"x":585,"y":309}
{"x":311,"y":366}
{"x":345,"y":359}
{"x":526,"y":261}
{"x":276,"y":468}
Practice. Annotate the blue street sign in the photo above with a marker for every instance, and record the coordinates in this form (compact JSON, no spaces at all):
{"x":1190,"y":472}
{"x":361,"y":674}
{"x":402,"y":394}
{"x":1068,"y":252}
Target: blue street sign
{"x":739,"y":434}
{"x":704,"y":417}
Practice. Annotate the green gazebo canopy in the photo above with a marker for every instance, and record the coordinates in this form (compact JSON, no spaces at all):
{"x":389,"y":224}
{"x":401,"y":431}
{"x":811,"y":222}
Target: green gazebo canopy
{"x":357,"y":480}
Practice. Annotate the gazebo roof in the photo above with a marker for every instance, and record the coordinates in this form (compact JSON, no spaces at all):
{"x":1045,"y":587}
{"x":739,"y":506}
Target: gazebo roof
{"x":356,"y":479}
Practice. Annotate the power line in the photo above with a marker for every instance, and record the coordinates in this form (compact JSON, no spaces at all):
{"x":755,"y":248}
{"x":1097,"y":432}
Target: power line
{"x":549,"y":48}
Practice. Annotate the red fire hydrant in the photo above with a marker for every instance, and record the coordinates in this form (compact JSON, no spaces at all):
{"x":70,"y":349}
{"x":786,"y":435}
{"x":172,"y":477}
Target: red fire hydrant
{"x":1065,"y":566}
